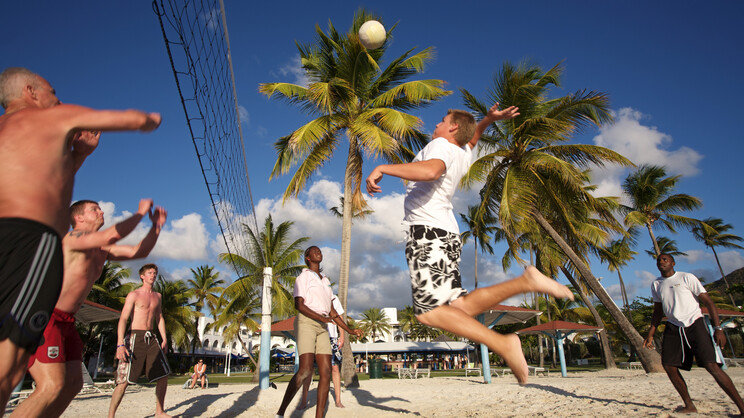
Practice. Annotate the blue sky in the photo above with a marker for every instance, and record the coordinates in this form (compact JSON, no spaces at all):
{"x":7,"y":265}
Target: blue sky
{"x":671,"y":70}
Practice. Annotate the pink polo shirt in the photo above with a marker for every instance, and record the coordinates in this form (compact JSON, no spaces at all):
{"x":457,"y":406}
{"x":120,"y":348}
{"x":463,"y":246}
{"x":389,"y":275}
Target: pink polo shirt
{"x":315,"y":290}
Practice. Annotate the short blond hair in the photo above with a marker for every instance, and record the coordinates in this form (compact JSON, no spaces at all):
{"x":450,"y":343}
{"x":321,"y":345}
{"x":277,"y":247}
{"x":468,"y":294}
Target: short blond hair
{"x":465,"y":125}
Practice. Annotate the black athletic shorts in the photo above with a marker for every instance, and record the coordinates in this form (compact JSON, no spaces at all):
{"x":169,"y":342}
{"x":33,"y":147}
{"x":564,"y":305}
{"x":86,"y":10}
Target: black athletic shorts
{"x":680,"y":344}
{"x":30,"y":279}
{"x":145,"y":357}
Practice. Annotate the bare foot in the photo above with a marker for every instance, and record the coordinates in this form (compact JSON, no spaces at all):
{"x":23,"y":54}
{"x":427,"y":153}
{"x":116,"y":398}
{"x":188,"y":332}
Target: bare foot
{"x":541,"y":283}
{"x":514,"y":357}
{"x":686,"y":409}
{"x":340,"y":405}
{"x":303,"y":404}
{"x":163,"y":415}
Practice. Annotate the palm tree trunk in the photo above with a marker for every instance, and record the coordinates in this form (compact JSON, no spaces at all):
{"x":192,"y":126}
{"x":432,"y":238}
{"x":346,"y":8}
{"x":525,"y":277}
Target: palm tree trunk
{"x":348,"y":371}
{"x":723,"y":276}
{"x":608,"y":357}
{"x":653,"y":239}
{"x":250,"y":356}
{"x":475,"y":241}
{"x":650,"y":359}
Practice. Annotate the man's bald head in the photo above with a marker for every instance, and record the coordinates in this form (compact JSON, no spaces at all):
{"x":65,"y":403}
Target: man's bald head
{"x":12,"y":82}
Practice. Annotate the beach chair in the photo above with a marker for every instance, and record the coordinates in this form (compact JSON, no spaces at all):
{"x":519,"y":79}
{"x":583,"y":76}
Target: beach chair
{"x":89,"y":386}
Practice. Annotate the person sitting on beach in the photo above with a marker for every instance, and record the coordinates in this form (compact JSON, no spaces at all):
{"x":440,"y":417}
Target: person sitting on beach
{"x":434,"y":245}
{"x":677,"y":296}
{"x":200,"y":373}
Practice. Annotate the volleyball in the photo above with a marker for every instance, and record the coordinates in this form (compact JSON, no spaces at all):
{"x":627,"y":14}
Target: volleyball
{"x":372,"y":34}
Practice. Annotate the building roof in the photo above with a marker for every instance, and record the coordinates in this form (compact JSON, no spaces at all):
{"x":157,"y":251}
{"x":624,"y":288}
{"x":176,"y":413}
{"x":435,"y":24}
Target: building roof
{"x":95,"y":312}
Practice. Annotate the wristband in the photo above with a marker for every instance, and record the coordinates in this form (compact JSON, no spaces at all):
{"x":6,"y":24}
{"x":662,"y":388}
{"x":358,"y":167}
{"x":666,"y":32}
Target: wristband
{"x":121,"y":345}
{"x":718,"y":328}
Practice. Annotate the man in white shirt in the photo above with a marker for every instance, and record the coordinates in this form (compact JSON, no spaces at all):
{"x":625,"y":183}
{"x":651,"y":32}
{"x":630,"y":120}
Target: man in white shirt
{"x":434,"y":245}
{"x":677,"y":296}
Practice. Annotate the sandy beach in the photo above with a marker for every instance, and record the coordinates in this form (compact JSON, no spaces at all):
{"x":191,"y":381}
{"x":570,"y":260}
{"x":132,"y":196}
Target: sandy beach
{"x":603,"y":393}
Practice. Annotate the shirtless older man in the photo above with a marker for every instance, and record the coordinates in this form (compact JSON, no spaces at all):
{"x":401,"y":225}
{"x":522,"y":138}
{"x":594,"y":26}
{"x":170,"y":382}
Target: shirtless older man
{"x":42,"y":145}
{"x":56,"y":365}
{"x":142,"y":353}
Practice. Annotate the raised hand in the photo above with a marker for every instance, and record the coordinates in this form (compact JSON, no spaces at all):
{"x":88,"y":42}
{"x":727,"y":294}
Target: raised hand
{"x":152,"y":122}
{"x":144,"y":206}
{"x":495,"y":113}
{"x":158,"y":216}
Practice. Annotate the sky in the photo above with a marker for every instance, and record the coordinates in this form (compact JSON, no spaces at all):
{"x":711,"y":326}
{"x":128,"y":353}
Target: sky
{"x":669,"y":69}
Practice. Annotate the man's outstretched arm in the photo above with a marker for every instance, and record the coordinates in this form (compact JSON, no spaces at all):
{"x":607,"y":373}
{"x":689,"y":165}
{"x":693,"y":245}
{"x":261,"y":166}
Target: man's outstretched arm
{"x":493,"y":115}
{"x":428,"y":170}
{"x":141,"y":250}
{"x":83,"y":118}
{"x":81,"y":240}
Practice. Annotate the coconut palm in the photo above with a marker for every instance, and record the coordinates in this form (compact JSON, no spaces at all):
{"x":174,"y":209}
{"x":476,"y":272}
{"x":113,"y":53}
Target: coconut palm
{"x":407,"y":319}
{"x":714,"y":233}
{"x":375,"y":321}
{"x":653,"y":202}
{"x":533,"y":177}
{"x":617,"y":254}
{"x":205,"y":287}
{"x":358,"y":212}
{"x":666,"y":246}
{"x":350,"y":94}
{"x":481,"y":227}
{"x":177,"y":312}
{"x":271,"y":247}
{"x":238,"y":309}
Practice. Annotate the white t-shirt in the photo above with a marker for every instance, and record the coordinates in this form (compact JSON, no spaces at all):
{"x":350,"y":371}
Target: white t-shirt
{"x":316,"y":290}
{"x":332,"y":327}
{"x":430,"y":202}
{"x":678,"y":296}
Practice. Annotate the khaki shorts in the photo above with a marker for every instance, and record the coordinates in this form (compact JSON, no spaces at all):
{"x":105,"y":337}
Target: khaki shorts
{"x":312,"y":336}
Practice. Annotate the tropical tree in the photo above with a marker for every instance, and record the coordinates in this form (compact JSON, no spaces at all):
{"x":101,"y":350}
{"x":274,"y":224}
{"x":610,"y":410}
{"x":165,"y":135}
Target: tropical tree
{"x":350,"y":94}
{"x":239,"y":309}
{"x":375,"y":321}
{"x":358,"y":212}
{"x":653,"y":202}
{"x":617,"y":254}
{"x":205,"y":287}
{"x":271,"y":247}
{"x":407,"y":319}
{"x":714,"y":233}
{"x":533,"y":177}
{"x":481,"y":227}
{"x":665,"y":246}
{"x":177,"y":312}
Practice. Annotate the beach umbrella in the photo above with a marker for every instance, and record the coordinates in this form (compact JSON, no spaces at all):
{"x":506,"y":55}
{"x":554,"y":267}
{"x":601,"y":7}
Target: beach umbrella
{"x":558,"y":331}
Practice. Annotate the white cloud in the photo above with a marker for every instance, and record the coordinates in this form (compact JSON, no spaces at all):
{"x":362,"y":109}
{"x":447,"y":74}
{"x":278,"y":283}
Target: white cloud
{"x":294,"y":70}
{"x":642,"y":145}
{"x":245,"y":117}
{"x":731,"y":260}
{"x":212,"y":19}
{"x":695,"y":256}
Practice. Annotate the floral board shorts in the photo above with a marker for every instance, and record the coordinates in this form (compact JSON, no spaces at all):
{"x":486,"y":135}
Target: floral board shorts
{"x":336,"y":357}
{"x":433,"y":256}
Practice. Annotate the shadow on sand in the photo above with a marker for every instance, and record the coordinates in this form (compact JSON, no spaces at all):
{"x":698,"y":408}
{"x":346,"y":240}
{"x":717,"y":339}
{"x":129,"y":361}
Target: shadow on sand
{"x":562,"y":392}
{"x":366,"y":398}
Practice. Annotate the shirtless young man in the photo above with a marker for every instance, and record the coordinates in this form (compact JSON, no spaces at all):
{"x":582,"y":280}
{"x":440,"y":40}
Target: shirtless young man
{"x":42,"y":145}
{"x":57,"y":364}
{"x":142,"y":353}
{"x":433,"y":247}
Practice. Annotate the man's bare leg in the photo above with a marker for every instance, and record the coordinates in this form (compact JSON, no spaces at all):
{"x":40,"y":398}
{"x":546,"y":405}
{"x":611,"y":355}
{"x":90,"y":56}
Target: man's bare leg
{"x":13,"y":361}
{"x":336,"y":377}
{"x":458,"y":316}
{"x":160,"y":390}
{"x":305,"y":389}
{"x":724,"y":381}
{"x":679,"y":383}
{"x":56,"y":386}
{"x":324,"y":383}
{"x":116,"y":398}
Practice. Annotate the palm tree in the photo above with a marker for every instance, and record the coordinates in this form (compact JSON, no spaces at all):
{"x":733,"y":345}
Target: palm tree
{"x":407,"y":319}
{"x":532,"y":177}
{"x":178,"y":314}
{"x":349,"y":93}
{"x":205,"y":288}
{"x":714,"y":233}
{"x":239,"y":308}
{"x":358,"y":212}
{"x":481,"y":227}
{"x":269,"y":248}
{"x":653,"y":203}
{"x":665,"y":246}
{"x":375,"y":321}
{"x":617,"y":254}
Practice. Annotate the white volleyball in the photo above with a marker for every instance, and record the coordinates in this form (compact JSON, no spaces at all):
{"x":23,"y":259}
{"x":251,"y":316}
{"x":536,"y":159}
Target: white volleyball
{"x":372,"y":34}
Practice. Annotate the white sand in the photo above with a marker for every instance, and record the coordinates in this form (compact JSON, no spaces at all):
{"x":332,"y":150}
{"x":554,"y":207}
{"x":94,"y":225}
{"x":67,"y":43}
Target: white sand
{"x":604,"y":393}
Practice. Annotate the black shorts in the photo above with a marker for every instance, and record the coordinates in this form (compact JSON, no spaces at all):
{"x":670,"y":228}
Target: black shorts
{"x":681,"y":344}
{"x":145,"y":357}
{"x":30,"y":279}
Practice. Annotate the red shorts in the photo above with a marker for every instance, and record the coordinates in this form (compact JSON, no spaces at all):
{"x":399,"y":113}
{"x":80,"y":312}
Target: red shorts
{"x":62,"y":342}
